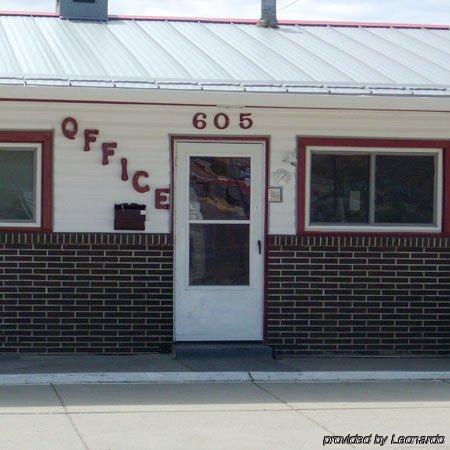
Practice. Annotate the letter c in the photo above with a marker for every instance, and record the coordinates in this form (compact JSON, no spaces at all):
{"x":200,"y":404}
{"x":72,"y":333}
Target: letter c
{"x":137,"y":186}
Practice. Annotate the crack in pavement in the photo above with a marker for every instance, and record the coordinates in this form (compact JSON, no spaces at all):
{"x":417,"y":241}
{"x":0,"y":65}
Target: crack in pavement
{"x":292,"y":408}
{"x":70,"y":418}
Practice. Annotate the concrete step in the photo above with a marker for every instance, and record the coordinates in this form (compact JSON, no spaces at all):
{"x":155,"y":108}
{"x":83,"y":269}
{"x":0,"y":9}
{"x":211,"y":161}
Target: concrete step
{"x":222,"y":350}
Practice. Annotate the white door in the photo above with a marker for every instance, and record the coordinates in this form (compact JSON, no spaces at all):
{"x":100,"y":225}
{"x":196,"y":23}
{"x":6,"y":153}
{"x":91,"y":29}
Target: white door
{"x":219,"y":238}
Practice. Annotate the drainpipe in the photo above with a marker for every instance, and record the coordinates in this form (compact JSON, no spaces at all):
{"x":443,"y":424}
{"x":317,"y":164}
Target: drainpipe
{"x":268,"y":14}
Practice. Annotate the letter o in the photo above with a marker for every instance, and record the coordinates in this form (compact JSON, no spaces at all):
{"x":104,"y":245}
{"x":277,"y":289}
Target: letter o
{"x":69,"y":128}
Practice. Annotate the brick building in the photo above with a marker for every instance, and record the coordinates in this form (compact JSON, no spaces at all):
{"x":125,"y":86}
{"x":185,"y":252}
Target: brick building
{"x":179,"y":180}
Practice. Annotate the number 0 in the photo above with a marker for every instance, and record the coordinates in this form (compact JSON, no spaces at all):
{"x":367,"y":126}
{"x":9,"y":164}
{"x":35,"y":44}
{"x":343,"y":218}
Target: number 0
{"x":221,"y":121}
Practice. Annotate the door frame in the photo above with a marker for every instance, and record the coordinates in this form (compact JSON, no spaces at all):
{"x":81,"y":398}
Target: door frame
{"x":211,"y":138}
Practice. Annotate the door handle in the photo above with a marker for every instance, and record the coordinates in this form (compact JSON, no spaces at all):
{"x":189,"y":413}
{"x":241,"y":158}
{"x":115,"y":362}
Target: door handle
{"x":259,"y":247}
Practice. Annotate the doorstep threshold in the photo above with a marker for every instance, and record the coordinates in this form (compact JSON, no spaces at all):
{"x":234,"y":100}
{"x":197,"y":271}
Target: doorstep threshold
{"x":239,"y":349}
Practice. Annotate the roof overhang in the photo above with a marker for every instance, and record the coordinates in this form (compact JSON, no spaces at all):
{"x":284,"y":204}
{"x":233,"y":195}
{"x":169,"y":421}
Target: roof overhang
{"x":346,"y":89}
{"x":214,"y":99}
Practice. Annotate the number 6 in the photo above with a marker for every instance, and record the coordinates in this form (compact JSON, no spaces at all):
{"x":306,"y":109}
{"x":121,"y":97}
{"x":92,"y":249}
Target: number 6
{"x":199,"y":121}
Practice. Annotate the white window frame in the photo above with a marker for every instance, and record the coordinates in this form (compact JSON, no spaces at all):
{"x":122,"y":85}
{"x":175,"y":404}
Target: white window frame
{"x":438,"y":182}
{"x":38,"y":184}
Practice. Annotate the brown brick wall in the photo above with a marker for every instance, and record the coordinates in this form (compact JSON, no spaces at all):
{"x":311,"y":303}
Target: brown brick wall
{"x":96,"y":293}
{"x":359,"y":296}
{"x":113,"y":293}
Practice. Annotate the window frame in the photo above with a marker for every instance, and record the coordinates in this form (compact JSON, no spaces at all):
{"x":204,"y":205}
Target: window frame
{"x":307,"y":146}
{"x":43,"y":143}
{"x":372,"y":152}
{"x":37,"y":149}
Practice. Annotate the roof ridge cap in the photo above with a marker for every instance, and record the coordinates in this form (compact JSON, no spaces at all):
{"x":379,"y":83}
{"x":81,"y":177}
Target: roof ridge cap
{"x":243,"y":21}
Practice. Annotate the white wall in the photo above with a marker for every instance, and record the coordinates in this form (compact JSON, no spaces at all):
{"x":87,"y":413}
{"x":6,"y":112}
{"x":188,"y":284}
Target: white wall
{"x":86,"y":191}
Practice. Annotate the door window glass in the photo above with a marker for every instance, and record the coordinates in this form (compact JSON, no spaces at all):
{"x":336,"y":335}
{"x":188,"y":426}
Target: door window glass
{"x":219,"y":188}
{"x":219,"y":255}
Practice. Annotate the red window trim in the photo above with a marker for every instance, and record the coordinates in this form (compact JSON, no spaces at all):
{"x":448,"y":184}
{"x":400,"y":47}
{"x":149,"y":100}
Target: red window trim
{"x":304,"y":142}
{"x":45,"y":138}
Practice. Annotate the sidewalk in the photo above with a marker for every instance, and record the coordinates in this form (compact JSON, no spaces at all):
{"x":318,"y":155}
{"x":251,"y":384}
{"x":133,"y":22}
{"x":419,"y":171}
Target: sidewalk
{"x":42,"y":369}
{"x":224,"y":416}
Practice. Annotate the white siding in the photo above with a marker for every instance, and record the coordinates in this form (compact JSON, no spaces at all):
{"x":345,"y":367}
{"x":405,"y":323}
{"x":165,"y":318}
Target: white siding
{"x":86,"y":191}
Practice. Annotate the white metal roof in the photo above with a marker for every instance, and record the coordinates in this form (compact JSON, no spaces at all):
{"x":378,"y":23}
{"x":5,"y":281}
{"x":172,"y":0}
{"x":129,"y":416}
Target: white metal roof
{"x":225,"y":56}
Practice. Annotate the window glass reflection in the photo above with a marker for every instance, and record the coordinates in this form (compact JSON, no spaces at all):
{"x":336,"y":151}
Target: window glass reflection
{"x":219,"y":188}
{"x":17,"y":185}
{"x":404,"y":189}
{"x":340,"y":188}
{"x":219,"y":255}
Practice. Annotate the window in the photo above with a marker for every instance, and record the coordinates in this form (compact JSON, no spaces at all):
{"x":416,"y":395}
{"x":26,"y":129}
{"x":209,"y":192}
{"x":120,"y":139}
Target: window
{"x":363,"y":188}
{"x":25,"y":182}
{"x":340,"y":188}
{"x":19,"y":185}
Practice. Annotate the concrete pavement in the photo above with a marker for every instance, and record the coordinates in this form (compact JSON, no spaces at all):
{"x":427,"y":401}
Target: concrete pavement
{"x":40,"y":363}
{"x":81,"y":369}
{"x":250,"y":415}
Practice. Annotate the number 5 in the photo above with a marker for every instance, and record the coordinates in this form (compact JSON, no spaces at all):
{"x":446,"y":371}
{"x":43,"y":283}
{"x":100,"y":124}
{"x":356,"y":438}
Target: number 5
{"x":245,"y":121}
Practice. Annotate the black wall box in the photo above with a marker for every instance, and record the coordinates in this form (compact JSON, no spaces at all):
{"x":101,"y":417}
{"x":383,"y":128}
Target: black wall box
{"x":130,"y":217}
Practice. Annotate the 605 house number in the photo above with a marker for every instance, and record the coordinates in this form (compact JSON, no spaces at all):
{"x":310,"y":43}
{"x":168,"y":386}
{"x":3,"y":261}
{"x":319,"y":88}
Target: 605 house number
{"x":221,"y":121}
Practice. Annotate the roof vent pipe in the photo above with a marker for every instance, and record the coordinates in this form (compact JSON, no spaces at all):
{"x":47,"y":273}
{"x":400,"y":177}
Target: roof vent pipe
{"x":268,"y":14}
{"x":83,"y":9}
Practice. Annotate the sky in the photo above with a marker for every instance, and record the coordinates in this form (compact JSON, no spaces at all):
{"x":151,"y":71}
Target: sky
{"x":418,"y":11}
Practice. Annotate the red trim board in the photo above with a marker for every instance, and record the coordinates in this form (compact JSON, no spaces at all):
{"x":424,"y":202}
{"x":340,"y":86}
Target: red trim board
{"x":214,"y":105}
{"x":45,"y":138}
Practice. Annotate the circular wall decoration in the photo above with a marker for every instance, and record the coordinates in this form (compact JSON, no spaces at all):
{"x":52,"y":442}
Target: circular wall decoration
{"x":282,"y":177}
